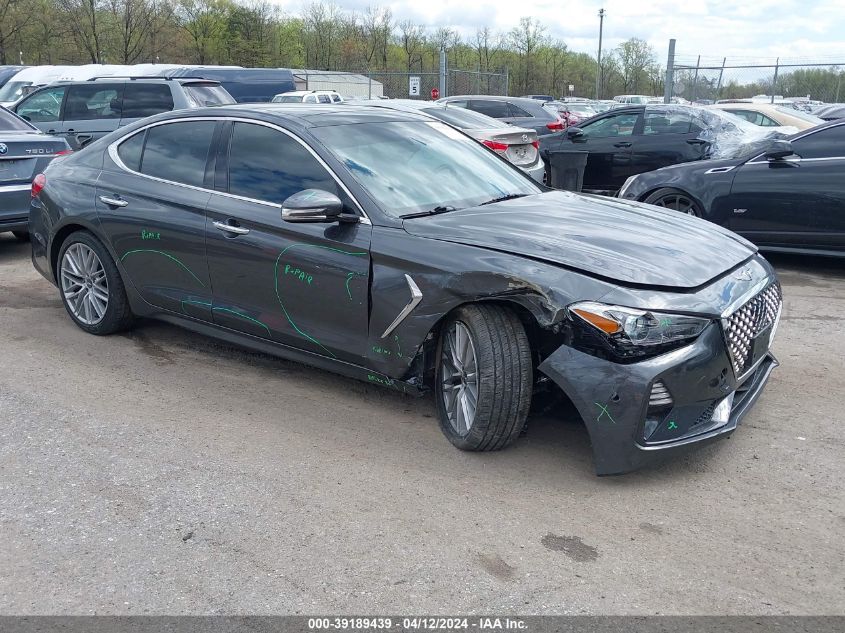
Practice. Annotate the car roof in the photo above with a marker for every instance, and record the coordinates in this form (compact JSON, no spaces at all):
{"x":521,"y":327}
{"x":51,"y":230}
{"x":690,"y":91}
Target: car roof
{"x":494,"y":97}
{"x":307,"y":116}
{"x":302,"y":93}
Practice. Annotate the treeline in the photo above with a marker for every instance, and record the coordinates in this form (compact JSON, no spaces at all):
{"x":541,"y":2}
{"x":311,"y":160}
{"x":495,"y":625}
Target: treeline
{"x":322,"y":36}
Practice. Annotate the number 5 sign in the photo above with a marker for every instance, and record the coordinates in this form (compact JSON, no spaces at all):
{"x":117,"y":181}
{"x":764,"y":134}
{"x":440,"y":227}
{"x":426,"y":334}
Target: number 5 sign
{"x":414,"y":86}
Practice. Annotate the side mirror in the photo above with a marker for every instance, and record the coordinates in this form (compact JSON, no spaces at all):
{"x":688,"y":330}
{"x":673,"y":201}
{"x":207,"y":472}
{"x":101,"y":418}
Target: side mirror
{"x":574,"y":132}
{"x":778,"y":150}
{"x":312,"y":205}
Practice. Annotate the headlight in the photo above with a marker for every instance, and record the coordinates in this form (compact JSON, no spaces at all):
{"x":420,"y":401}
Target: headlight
{"x":626,"y":186}
{"x":632,"y":333}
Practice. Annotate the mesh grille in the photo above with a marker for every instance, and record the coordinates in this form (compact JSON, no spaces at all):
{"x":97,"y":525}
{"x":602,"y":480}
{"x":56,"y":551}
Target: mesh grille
{"x":747,"y":322}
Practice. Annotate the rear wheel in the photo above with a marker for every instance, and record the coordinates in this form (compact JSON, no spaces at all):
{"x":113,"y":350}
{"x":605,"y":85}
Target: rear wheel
{"x":91,"y":288}
{"x":484,"y":378}
{"x":676,"y":200}
{"x":23,"y":236}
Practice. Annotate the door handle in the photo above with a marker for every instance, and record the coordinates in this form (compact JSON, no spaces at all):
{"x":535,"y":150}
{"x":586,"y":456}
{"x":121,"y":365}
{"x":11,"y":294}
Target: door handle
{"x":622,"y":144}
{"x":113,"y":202}
{"x":696,"y":141}
{"x":230,"y":228}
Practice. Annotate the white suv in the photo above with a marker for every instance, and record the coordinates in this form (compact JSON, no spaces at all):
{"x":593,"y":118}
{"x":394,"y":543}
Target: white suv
{"x":308,"y":96}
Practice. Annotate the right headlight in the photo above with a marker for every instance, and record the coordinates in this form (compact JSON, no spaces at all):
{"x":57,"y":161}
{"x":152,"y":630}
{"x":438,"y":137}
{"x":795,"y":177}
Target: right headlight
{"x":626,"y":186}
{"x":633,"y":334}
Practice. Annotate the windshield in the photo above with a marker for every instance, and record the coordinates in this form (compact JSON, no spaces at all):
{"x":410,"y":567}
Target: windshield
{"x":12,"y":123}
{"x":287,"y":99}
{"x":208,"y":95}
{"x":415,"y":166}
{"x":13,"y":90}
{"x":464,"y":119}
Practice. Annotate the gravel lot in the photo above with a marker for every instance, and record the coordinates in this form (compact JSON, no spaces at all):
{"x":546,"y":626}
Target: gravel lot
{"x":163,"y":472}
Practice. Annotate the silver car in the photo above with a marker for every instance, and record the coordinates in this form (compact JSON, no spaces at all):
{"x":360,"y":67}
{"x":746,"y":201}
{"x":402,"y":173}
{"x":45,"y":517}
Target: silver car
{"x":519,"y":146}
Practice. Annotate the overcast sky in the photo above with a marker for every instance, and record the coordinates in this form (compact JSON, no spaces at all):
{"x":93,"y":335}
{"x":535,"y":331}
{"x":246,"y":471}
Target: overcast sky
{"x":808,"y":29}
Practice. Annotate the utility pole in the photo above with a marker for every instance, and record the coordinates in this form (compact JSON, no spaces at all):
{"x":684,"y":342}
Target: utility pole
{"x":602,"y":13}
{"x":669,"y":83}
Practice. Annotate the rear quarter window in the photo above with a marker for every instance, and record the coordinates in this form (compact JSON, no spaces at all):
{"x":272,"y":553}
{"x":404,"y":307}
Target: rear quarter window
{"x":142,"y":100}
{"x":129,"y":151}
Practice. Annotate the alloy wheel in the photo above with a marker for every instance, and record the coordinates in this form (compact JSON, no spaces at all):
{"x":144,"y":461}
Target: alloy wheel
{"x":84,"y":284}
{"x":678,"y":202}
{"x":459,"y":378}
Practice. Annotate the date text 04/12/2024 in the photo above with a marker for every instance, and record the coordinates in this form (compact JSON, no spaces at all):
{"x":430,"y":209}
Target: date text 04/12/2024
{"x":416,"y":623}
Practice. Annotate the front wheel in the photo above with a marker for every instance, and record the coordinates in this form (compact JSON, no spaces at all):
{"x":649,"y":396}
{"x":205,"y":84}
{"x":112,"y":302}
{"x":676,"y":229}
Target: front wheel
{"x":91,"y":287}
{"x":484,"y":378}
{"x":676,"y":200}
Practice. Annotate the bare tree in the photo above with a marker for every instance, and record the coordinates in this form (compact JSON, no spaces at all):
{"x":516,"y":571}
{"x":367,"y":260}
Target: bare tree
{"x":412,"y":39}
{"x":13,"y":18}
{"x":132,"y":25}
{"x":322,"y":26}
{"x":377,"y":25}
{"x":83,"y":20}
{"x":635,"y":57}
{"x":526,"y":39}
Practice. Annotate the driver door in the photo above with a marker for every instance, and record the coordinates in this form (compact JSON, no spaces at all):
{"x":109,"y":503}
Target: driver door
{"x":609,"y":142}
{"x":305,"y":285}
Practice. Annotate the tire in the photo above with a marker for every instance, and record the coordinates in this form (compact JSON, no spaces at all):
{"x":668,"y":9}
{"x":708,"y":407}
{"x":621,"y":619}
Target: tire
{"x":675,"y":200}
{"x":503,"y":372}
{"x":22,"y":236}
{"x":87,"y":283}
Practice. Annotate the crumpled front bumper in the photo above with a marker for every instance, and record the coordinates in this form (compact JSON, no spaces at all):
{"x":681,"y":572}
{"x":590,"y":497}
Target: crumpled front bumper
{"x":626,"y":431}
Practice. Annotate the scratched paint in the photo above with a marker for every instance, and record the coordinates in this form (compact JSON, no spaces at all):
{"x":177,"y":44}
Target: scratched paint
{"x":163,"y":254}
{"x":290,"y":320}
{"x":603,"y":411}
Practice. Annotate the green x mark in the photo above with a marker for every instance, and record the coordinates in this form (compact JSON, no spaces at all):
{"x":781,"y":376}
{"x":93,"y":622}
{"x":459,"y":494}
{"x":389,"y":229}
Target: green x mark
{"x":604,"y":411}
{"x":672,"y":425}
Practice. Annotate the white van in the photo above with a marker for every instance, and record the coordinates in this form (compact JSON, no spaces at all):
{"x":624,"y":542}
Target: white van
{"x":88,"y":71}
{"x":27,"y":79}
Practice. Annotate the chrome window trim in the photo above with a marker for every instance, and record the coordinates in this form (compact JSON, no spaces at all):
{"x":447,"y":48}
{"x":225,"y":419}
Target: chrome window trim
{"x":413,"y":302}
{"x":11,"y":188}
{"x":797,"y":160}
{"x":113,"y":149}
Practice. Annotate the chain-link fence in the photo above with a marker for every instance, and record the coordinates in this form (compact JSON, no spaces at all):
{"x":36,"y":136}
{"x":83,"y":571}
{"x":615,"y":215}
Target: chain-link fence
{"x":402,"y":84}
{"x":707,"y":79}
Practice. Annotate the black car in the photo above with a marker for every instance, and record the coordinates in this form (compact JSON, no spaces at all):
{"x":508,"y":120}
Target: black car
{"x":519,"y":111}
{"x":316,"y":234}
{"x":24,"y":152}
{"x":783,"y":195}
{"x":634,"y":139}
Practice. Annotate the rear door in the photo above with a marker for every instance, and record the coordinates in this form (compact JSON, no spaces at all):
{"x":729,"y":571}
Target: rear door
{"x":301,"y":284}
{"x":91,"y":111}
{"x":151,"y":198}
{"x":668,"y":137}
{"x":796,"y":202}
{"x":609,"y":141}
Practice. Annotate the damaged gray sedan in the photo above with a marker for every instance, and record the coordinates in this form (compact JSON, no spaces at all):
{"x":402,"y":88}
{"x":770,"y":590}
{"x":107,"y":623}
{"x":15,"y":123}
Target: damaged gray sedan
{"x":388,"y":247}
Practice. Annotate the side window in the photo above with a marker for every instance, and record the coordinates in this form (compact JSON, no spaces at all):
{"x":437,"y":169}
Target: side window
{"x":140,"y":100}
{"x":42,"y":107}
{"x":129,"y":151}
{"x":495,"y":109}
{"x":666,"y":122}
{"x":614,"y":125}
{"x":335,"y":98}
{"x":324,"y":98}
{"x":310,"y":99}
{"x":459,"y":103}
{"x":265,"y":164}
{"x":93,"y":101}
{"x":178,"y":151}
{"x":517,"y":111}
{"x":826,"y":143}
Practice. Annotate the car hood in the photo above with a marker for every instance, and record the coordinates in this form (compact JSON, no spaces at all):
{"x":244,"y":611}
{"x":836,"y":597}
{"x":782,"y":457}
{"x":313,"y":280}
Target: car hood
{"x":623,"y":241}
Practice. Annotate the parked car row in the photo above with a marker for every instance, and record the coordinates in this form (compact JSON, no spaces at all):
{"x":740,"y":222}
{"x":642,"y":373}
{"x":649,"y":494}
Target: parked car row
{"x":447,"y":268}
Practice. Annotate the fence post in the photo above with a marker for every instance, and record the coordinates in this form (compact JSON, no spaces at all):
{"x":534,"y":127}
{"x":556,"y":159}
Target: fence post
{"x":775,"y":80}
{"x":695,"y":80}
{"x":669,"y":84}
{"x":507,"y":82}
{"x":719,"y":84}
{"x":369,"y":85}
{"x":443,"y":87}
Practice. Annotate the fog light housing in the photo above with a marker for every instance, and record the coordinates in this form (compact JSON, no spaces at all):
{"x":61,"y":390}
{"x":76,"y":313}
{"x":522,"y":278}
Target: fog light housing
{"x":722,"y":412}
